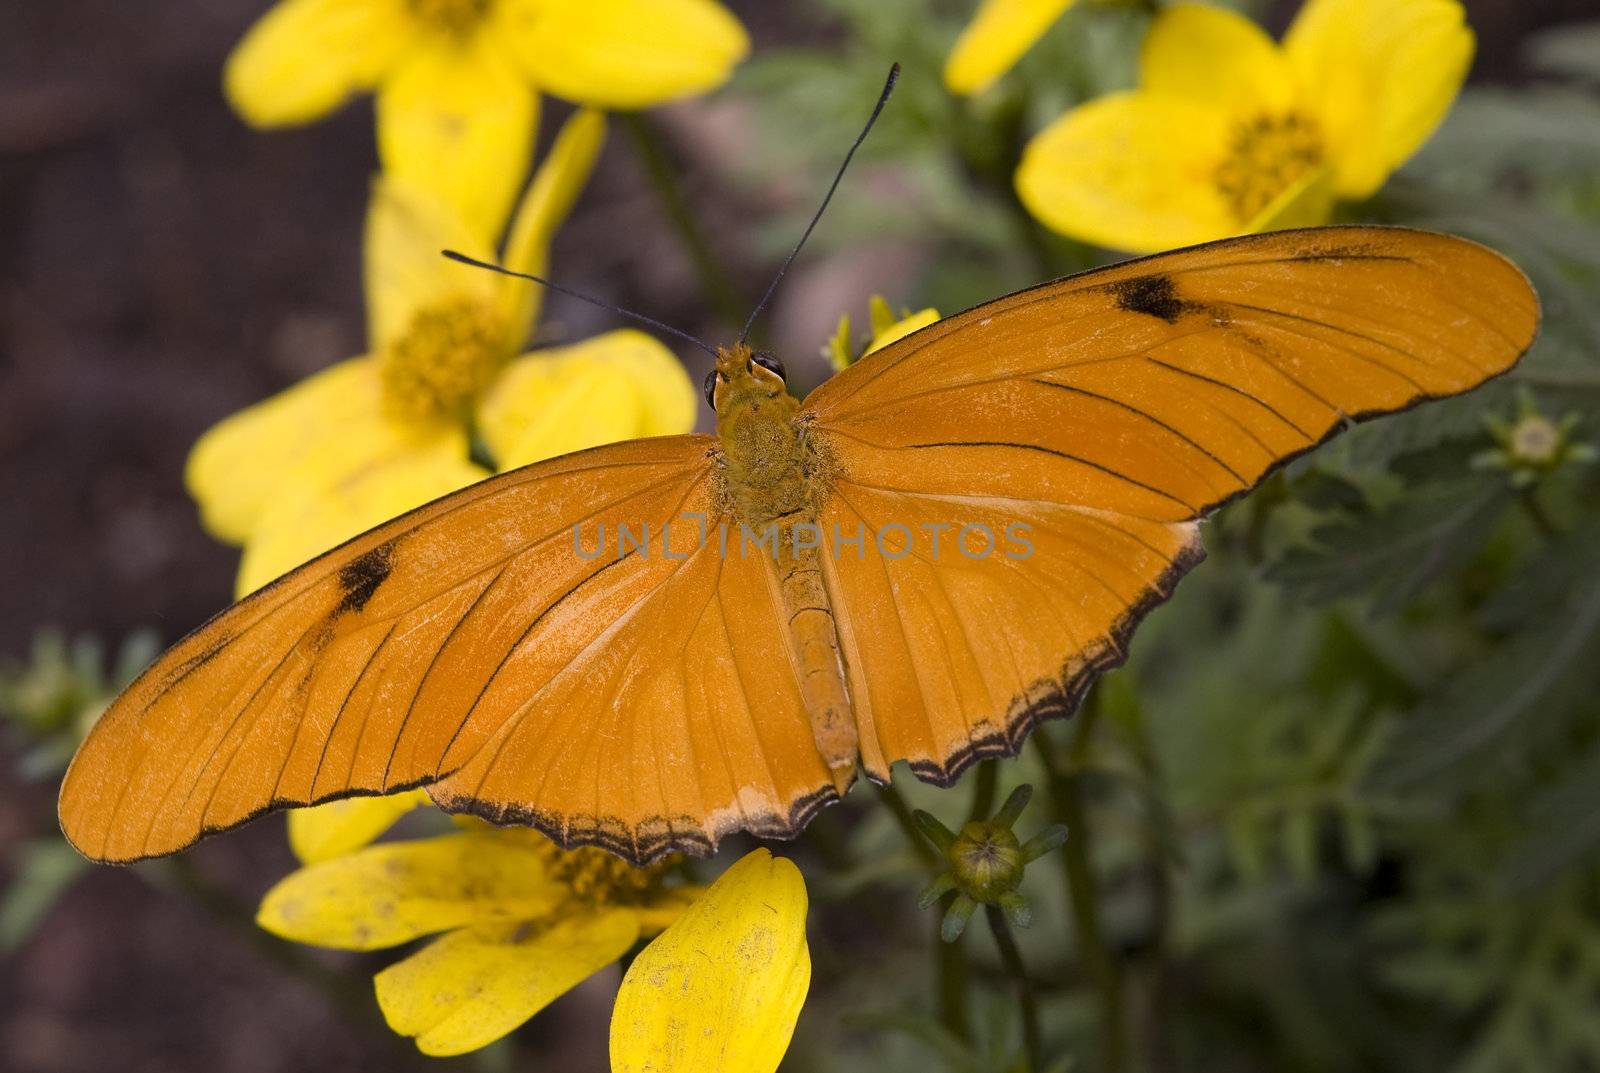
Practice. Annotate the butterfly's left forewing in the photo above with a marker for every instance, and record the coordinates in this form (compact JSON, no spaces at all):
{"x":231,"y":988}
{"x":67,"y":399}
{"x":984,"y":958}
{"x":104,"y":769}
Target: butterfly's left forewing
{"x":479,"y":641}
{"x":1110,"y":412}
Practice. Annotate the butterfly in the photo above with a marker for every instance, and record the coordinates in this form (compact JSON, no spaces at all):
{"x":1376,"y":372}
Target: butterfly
{"x":649,"y":645}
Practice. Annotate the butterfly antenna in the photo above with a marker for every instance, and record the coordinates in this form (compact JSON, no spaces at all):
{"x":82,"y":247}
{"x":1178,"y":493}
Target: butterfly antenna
{"x":883,"y":98}
{"x":640,"y":317}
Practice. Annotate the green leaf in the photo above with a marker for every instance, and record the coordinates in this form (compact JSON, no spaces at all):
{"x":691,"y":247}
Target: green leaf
{"x":1396,"y":553}
{"x":1521,"y":686}
{"x":1526,"y":969}
{"x":1561,"y":825}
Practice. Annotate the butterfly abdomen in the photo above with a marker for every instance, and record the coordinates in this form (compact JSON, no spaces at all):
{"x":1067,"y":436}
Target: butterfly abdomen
{"x":773,"y":477}
{"x":815,"y":642}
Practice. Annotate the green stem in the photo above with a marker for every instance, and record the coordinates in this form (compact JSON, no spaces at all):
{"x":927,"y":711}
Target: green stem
{"x":1011,"y":957}
{"x":1537,"y":514}
{"x":984,"y":785}
{"x":830,"y":842}
{"x":908,"y":826}
{"x":658,"y":167}
{"x":1159,"y":1056}
{"x":950,"y":964}
{"x":952,"y":983}
{"x":1067,"y":794}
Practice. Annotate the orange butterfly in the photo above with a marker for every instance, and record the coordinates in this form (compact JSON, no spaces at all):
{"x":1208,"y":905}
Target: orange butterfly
{"x":938,"y":548}
{"x":495,"y":647}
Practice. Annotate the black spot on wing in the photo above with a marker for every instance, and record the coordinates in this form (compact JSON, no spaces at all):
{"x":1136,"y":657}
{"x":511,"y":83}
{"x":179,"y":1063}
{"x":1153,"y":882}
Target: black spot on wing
{"x":1154,"y":296}
{"x":361,"y":577}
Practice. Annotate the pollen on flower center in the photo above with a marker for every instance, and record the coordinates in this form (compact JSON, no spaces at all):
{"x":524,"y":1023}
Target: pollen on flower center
{"x":451,"y":16}
{"x":601,"y":878}
{"x":443,"y":359}
{"x":1267,"y":155}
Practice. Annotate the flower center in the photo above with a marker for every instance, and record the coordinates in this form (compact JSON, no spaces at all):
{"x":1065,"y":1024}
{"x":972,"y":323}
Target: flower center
{"x":1535,"y":441}
{"x":451,"y":16}
{"x":1268,"y":154}
{"x":600,"y":878}
{"x":444,"y":358}
{"x":988,"y":860}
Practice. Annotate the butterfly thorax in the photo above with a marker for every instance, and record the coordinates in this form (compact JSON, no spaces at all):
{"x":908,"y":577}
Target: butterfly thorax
{"x":773,"y":473}
{"x":770,"y":472}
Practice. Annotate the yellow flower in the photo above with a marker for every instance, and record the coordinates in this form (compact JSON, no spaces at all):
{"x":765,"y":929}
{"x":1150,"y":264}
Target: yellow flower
{"x":330,"y":830}
{"x":1229,"y":133}
{"x":720,"y":990}
{"x":457,"y":81}
{"x":374,"y":436}
{"x":886,"y":328}
{"x":995,"y":39}
{"x":520,"y":922}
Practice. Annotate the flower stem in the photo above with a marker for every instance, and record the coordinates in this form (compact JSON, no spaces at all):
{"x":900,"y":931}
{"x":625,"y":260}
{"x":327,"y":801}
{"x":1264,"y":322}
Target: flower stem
{"x":1537,"y":514}
{"x":1011,"y":957}
{"x":1067,"y":795}
{"x":950,"y":964}
{"x":952,"y":983}
{"x":983,"y":790}
{"x":658,"y":167}
{"x":908,"y":826}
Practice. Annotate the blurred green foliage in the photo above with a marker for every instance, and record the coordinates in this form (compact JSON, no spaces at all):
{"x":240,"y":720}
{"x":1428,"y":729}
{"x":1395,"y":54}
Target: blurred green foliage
{"x":47,"y":705}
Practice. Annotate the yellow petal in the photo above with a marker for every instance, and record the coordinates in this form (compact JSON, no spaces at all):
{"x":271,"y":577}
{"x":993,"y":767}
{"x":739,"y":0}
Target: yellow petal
{"x":457,"y":119}
{"x":995,"y":39}
{"x":394,"y":892}
{"x":339,"y":827}
{"x":665,"y":907}
{"x":328,"y":424}
{"x":304,"y":57}
{"x":556,"y":185}
{"x":617,"y":386}
{"x":901,"y":328}
{"x":837,"y":349}
{"x":1209,"y":55}
{"x":1307,"y":202}
{"x":1380,"y":74}
{"x":469,"y":988}
{"x":1130,"y":171}
{"x":623,"y":54}
{"x":407,"y":226}
{"x":880,"y":314}
{"x":720,"y":990}
{"x":311,"y":515}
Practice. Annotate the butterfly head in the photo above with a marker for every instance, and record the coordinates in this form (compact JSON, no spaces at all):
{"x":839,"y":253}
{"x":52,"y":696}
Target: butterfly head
{"x":744,"y":379}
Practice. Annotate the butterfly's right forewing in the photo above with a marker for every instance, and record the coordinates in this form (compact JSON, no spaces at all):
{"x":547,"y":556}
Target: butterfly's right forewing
{"x":1110,"y":412}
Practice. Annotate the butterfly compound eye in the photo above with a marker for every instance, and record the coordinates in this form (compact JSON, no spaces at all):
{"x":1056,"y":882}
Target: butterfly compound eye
{"x":769,"y":363}
{"x":711,"y":389}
